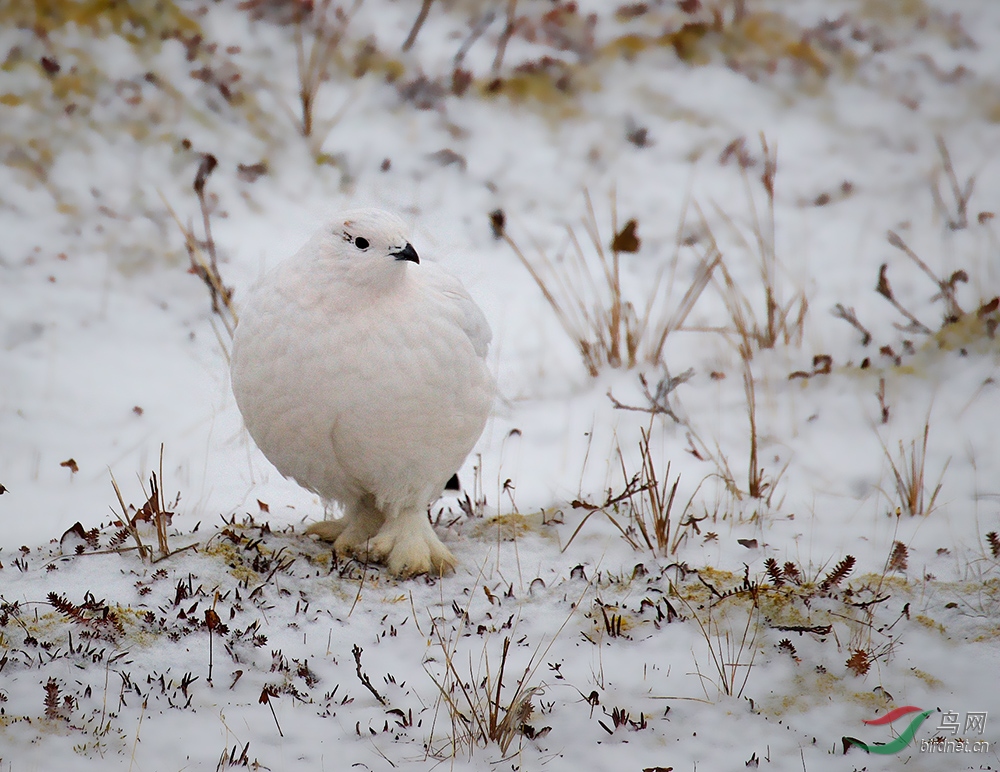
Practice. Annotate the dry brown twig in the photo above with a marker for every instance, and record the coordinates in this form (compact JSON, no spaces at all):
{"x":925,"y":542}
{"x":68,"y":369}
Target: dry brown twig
{"x":207,"y":267}
{"x":659,"y":403}
{"x":154,"y":511}
{"x":508,"y":32}
{"x":883,"y":405}
{"x":208,"y":272}
{"x":759,"y":484}
{"x":363,"y":676}
{"x":884,"y":289}
{"x":477,"y":31}
{"x":648,"y":501}
{"x":318,"y":34}
{"x":848,"y":315}
{"x":145,"y":552}
{"x":946,"y":287}
{"x":425,"y":8}
{"x":960,"y":193}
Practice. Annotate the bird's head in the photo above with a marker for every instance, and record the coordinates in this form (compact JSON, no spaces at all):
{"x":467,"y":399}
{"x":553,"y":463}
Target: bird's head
{"x":365,"y":246}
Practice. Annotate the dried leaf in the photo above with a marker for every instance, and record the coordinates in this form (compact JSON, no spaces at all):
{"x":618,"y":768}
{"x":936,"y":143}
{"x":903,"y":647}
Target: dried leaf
{"x":70,"y":464}
{"x":883,"y":288}
{"x":250,"y":172}
{"x":448,"y":157}
{"x":205,"y":168}
{"x":76,"y":538}
{"x":822,"y":364}
{"x":497,"y":222}
{"x":956,"y":277}
{"x":627,"y":240}
{"x":988,"y":308}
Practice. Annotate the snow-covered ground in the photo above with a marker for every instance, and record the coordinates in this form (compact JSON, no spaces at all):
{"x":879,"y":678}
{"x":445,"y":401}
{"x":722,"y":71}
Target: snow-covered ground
{"x":794,"y":596}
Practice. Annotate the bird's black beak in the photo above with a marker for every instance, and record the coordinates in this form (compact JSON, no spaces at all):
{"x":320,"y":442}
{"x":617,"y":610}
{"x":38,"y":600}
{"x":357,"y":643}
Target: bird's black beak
{"x":407,"y":253}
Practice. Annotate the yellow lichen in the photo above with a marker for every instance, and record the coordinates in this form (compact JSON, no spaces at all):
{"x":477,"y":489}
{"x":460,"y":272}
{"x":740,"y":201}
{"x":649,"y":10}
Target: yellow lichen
{"x":929,"y":623}
{"x":627,"y":46}
{"x":136,"y":21}
{"x":967,"y":331}
{"x":507,"y":527}
{"x":927,"y":678}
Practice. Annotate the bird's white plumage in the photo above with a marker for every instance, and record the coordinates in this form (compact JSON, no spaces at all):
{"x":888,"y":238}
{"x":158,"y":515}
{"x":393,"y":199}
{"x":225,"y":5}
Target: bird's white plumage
{"x":360,"y":373}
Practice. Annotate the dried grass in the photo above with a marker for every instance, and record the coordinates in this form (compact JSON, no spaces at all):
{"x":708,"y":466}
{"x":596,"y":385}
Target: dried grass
{"x":909,"y":475}
{"x":732,"y":646}
{"x":584,"y":289}
{"x":780,"y":321}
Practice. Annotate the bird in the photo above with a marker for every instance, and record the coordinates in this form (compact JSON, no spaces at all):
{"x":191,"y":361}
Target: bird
{"x":360,"y":372}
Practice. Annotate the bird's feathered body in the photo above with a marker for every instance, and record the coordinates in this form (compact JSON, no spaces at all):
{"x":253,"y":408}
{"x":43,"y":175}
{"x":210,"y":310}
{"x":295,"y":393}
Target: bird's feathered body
{"x":360,"y":373}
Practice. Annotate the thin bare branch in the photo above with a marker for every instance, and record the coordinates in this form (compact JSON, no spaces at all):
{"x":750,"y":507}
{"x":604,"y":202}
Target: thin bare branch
{"x":425,"y":8}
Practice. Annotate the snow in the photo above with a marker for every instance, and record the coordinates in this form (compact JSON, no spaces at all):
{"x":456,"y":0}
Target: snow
{"x":110,"y":351}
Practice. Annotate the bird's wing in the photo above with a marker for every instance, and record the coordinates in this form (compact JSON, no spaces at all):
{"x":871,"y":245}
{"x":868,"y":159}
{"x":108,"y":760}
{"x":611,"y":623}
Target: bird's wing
{"x":470,"y":317}
{"x":473,"y":321}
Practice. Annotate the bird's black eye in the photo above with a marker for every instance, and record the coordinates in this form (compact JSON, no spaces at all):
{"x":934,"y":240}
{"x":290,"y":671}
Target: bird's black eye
{"x":361,"y":243}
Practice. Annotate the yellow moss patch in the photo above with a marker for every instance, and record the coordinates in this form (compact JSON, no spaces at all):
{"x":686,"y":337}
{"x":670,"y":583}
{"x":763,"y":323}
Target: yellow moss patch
{"x":73,"y":84}
{"x":927,"y":678}
{"x":893,"y":10}
{"x":761,"y":37}
{"x":811,"y":688}
{"x":232,"y":557}
{"x":617,"y":619}
{"x":532,"y":87}
{"x":926,"y":621}
{"x":508,"y":527}
{"x":629,"y":46}
{"x":136,"y":21}
{"x":368,"y":58}
{"x":687,"y":43}
{"x":967,"y":331}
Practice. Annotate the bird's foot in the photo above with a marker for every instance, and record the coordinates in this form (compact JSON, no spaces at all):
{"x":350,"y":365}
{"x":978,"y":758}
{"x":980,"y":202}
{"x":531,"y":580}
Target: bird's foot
{"x":327,"y":530}
{"x":408,"y":547}
{"x":350,"y":536}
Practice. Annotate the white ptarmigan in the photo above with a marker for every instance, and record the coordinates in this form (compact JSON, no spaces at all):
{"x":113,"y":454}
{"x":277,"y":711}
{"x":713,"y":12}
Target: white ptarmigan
{"x":360,"y":373}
